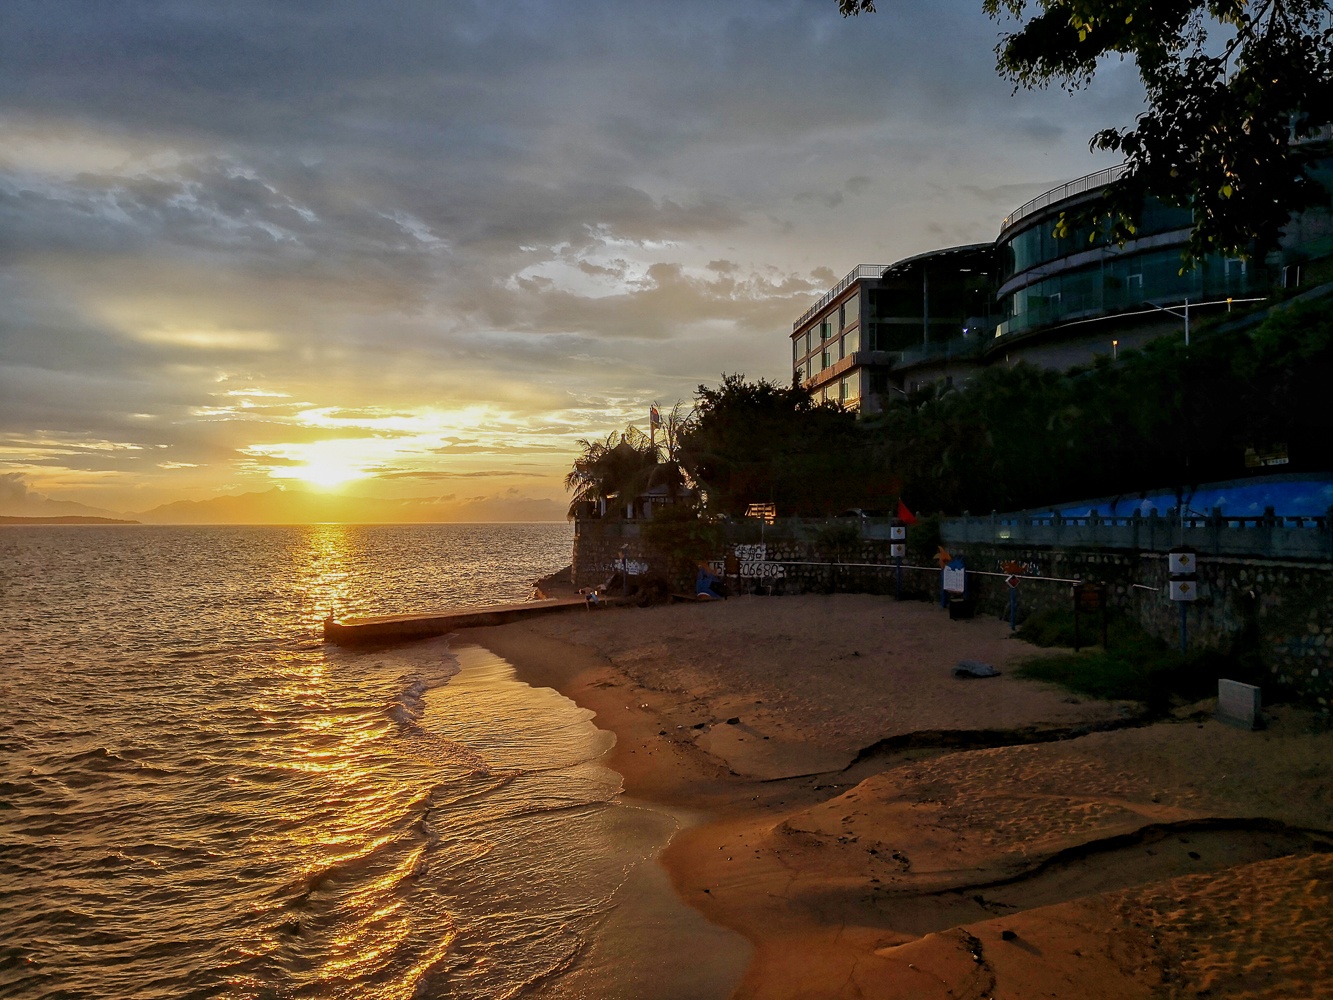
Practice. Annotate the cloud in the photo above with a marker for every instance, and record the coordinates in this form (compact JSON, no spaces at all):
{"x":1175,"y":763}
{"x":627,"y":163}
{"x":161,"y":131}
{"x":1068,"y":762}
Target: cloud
{"x":214,"y":218}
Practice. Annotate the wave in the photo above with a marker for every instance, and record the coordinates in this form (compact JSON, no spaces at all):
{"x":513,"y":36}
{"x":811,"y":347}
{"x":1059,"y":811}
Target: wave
{"x":408,"y":706}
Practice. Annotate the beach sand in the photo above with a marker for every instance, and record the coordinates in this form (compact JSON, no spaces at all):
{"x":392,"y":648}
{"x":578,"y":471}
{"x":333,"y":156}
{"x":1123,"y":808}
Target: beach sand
{"x":876,"y":827}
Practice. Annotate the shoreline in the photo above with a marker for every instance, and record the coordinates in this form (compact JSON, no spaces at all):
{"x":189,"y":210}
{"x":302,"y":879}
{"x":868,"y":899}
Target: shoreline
{"x":859,"y":860}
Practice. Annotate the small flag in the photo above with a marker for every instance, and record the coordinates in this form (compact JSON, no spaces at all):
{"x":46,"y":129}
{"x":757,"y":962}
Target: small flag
{"x":654,"y":418}
{"x":904,"y":514}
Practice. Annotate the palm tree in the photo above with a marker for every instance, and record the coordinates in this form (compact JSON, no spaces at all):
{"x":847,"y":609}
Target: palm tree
{"x":627,"y":465}
{"x":622,"y":465}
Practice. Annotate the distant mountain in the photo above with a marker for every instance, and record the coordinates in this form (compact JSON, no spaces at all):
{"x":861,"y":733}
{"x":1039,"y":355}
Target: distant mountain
{"x":286,"y":506}
{"x":64,"y":519}
{"x":17,"y":500}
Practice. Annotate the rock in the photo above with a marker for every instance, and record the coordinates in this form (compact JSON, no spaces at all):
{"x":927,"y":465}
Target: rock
{"x":974,"y":668}
{"x":735,"y":720}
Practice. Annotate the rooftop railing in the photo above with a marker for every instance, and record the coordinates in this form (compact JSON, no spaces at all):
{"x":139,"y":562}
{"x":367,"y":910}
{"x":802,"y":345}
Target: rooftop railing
{"x":1080,"y":185}
{"x":860,"y":272}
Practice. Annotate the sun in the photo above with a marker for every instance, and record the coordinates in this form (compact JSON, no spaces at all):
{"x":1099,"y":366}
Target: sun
{"x":326,"y":473}
{"x":323,"y":464}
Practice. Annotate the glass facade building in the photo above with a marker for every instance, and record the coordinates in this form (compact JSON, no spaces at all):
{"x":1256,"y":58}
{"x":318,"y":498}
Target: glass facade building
{"x":1048,"y":280}
{"x":1035,"y":296}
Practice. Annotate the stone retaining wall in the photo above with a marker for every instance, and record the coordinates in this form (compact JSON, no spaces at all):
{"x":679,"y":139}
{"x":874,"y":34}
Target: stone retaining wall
{"x":1283,"y":607}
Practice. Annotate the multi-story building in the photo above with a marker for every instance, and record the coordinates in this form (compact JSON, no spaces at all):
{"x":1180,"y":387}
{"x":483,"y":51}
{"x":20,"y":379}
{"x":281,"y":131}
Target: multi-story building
{"x":1032,"y":296}
{"x":881,"y":319}
{"x":1065,"y":300}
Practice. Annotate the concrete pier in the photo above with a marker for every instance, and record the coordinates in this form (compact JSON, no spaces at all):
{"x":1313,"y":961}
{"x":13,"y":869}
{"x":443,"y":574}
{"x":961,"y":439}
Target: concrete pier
{"x":398,"y":628}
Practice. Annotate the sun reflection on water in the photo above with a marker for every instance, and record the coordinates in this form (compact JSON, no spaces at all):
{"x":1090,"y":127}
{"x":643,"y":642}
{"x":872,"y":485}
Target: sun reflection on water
{"x":326,"y":565}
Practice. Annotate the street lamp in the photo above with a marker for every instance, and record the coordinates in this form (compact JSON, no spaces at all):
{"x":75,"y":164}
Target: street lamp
{"x":1172,"y":310}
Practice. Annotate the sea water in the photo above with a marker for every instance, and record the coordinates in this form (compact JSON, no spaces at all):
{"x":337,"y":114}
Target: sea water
{"x":199,"y":797}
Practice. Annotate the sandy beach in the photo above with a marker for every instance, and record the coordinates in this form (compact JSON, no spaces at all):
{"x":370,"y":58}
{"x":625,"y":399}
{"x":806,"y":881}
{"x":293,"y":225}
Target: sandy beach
{"x":877,"y":827}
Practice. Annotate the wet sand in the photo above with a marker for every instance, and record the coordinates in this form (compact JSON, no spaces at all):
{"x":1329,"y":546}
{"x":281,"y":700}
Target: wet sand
{"x":876,"y":827}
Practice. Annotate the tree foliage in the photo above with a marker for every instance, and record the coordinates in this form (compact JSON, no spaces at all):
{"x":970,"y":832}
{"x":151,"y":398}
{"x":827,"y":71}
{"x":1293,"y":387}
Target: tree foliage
{"x":1228,"y":84}
{"x":621,"y":465}
{"x":1163,"y":417}
{"x":758,"y":442}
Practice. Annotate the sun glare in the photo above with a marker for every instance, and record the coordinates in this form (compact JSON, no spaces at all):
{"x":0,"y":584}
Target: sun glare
{"x":326,"y":474}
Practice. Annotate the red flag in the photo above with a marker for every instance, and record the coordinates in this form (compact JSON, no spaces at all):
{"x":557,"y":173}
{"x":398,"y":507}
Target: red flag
{"x":904,"y":514}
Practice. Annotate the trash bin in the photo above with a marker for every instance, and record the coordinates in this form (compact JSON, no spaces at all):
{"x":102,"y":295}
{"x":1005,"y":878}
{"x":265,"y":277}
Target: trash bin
{"x":961,"y":607}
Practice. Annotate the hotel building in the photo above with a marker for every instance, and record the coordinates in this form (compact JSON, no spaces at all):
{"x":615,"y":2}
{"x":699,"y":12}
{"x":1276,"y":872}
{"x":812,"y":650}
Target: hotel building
{"x":1030,"y":296}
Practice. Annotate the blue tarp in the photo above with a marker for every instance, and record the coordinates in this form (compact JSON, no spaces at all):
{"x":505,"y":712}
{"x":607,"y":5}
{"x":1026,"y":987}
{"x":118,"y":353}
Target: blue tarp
{"x":1289,"y":497}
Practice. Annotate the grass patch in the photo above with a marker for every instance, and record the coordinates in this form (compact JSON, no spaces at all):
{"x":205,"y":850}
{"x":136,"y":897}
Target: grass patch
{"x":1135,"y":667}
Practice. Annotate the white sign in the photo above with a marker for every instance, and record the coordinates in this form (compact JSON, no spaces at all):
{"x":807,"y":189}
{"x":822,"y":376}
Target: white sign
{"x":1184,"y":590}
{"x":955,"y":579}
{"x":1180,"y":563}
{"x":753,"y":562}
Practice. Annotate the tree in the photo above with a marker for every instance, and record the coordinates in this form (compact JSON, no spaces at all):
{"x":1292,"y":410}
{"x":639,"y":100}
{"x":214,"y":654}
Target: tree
{"x":628,"y":464}
{"x":1229,"y":84}
{"x":621,"y":465}
{"x":758,"y":442}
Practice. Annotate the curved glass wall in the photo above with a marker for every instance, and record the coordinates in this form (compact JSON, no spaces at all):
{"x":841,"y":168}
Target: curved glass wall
{"x":1038,"y":243}
{"x":1122,"y":284}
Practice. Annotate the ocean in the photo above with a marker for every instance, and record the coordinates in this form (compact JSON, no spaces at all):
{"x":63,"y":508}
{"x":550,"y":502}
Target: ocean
{"x":201,"y":798}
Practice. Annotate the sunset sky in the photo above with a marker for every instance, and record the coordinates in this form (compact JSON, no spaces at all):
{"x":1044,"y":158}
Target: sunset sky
{"x":414,"y":250}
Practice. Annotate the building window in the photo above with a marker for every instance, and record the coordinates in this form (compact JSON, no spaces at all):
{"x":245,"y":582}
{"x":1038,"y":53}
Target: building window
{"x":827,"y":359}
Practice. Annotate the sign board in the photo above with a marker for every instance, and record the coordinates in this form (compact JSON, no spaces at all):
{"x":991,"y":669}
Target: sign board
{"x":955,"y":577}
{"x":1181,"y":562}
{"x":1184,"y":590}
{"x":1089,"y":597}
{"x":766,"y":512}
{"x":897,"y":533}
{"x":897,"y":550}
{"x":1238,"y":704}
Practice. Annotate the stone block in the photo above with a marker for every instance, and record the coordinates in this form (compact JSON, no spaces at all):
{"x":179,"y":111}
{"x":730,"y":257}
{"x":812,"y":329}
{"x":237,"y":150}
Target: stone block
{"x":1238,"y":704}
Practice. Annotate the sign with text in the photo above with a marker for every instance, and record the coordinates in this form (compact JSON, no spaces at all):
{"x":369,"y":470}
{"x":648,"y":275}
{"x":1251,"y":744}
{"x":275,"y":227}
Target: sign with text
{"x":955,"y":577}
{"x":1089,"y":597}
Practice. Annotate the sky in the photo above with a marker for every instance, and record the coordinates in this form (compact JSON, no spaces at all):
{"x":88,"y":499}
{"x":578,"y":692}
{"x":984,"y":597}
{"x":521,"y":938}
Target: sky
{"x":414,"y":251}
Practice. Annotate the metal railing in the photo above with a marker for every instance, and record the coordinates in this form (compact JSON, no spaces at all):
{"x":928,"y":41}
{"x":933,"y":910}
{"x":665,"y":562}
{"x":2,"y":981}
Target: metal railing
{"x":1080,"y":185}
{"x":859,"y":272}
{"x":1268,"y":535}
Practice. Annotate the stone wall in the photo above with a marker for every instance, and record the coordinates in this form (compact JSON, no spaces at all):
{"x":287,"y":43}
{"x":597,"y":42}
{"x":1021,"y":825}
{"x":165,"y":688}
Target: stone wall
{"x":1283,"y":607}
{"x":598,"y":545}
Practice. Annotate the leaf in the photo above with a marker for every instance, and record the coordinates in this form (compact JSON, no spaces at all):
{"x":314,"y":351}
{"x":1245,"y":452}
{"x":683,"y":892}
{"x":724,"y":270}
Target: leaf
{"x":1225,"y":190}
